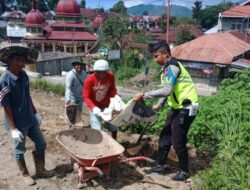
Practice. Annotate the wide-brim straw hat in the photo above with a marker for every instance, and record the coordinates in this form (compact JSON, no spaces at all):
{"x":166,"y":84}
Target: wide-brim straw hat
{"x":30,"y":54}
{"x":77,"y":62}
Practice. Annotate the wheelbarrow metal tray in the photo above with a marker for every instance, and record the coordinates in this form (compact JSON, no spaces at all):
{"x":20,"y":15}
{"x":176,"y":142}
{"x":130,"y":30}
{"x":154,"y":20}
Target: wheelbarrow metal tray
{"x":89,"y":145}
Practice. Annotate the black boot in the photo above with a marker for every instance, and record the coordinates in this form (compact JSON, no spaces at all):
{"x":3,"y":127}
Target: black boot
{"x":27,"y":179}
{"x":161,"y":160}
{"x":183,"y":174}
{"x":41,"y":172}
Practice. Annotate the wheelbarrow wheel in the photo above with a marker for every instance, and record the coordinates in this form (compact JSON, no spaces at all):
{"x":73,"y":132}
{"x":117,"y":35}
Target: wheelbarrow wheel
{"x":81,"y":185}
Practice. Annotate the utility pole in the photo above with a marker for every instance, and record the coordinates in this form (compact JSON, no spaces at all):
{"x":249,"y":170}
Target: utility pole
{"x":168,"y":20}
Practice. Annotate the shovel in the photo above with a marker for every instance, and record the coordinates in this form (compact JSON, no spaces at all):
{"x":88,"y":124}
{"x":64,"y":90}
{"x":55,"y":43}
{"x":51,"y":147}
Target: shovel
{"x":136,"y":148}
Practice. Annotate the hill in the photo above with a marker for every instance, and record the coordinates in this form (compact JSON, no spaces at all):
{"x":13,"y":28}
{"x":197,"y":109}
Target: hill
{"x":158,"y":10}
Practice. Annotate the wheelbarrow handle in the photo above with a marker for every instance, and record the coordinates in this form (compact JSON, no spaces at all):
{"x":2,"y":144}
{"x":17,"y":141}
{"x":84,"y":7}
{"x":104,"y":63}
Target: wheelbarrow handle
{"x":139,"y":158}
{"x":96,"y":169}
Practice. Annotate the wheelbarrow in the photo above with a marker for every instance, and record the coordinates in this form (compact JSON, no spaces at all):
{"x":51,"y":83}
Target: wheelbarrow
{"x":93,"y":152}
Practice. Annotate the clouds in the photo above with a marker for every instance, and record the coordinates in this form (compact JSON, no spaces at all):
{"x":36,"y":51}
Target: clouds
{"x":131,"y":3}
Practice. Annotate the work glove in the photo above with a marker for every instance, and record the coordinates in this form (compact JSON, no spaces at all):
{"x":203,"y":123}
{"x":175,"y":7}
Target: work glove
{"x":96,"y":111}
{"x":156,"y":107}
{"x":38,"y":119}
{"x":17,"y":135}
{"x":119,"y":105}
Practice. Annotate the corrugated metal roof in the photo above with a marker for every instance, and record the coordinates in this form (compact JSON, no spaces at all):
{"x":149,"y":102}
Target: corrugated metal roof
{"x":243,"y":36}
{"x":245,"y":3}
{"x":212,"y":30}
{"x":241,"y":63}
{"x":219,"y":48}
{"x":237,"y":11}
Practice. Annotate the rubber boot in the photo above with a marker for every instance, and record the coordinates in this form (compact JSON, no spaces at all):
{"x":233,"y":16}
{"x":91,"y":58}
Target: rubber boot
{"x":114,"y":134}
{"x":183,"y":174}
{"x":25,"y":174}
{"x":41,"y":172}
{"x":160,"y":162}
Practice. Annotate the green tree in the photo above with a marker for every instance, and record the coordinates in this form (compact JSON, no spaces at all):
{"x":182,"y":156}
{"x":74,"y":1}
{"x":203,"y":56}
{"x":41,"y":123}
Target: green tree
{"x":113,"y":29}
{"x":197,"y":11}
{"x":183,"y":20}
{"x":41,"y":5}
{"x":52,"y":4}
{"x":183,"y":36}
{"x":25,"y":5}
{"x":163,"y":22}
{"x":120,"y":8}
{"x":209,"y":16}
{"x":141,"y":37}
{"x":3,"y":7}
{"x":83,"y":4}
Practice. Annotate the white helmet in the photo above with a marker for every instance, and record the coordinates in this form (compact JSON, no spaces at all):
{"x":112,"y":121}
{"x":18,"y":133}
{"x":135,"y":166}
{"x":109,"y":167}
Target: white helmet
{"x":101,"y":65}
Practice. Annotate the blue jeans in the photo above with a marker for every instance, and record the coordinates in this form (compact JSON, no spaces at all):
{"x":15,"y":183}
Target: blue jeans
{"x":6,"y":128}
{"x":35,"y":134}
{"x":96,"y":123}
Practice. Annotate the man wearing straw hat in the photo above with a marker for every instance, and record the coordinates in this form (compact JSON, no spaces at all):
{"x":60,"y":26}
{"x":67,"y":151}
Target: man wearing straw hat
{"x":20,"y":113}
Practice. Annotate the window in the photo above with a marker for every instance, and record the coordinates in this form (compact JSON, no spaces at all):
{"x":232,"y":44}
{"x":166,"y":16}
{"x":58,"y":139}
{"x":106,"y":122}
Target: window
{"x":236,"y":26}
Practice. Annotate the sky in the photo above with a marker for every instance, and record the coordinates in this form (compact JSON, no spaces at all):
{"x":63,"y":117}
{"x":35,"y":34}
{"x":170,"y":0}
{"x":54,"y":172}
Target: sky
{"x":107,"y":4}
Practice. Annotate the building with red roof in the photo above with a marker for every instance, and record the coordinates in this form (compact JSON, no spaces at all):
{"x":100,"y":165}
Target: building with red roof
{"x":98,"y":21}
{"x":144,"y":22}
{"x":209,"y":58}
{"x":236,"y":18}
{"x":158,"y":35}
{"x":67,"y":34}
{"x":245,"y":2}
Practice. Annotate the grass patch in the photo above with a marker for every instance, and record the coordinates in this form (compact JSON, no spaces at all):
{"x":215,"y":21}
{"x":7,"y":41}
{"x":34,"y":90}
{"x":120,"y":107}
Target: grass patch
{"x":58,"y":89}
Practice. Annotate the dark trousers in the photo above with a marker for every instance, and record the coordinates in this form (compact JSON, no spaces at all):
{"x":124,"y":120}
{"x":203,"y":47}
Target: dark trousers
{"x":175,"y":133}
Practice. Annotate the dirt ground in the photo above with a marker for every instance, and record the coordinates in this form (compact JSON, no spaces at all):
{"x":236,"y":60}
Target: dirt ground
{"x":123,"y":175}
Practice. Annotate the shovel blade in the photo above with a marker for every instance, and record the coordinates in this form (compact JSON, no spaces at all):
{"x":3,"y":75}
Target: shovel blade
{"x":135,"y":150}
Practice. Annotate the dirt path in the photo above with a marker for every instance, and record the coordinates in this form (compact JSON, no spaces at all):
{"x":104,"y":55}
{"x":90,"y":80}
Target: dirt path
{"x":123,"y":175}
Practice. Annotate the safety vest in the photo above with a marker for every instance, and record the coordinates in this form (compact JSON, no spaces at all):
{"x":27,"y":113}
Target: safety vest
{"x":183,"y":89}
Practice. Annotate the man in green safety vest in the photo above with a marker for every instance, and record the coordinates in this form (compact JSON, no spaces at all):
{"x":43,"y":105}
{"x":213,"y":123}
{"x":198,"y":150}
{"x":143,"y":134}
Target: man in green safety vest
{"x":178,"y":89}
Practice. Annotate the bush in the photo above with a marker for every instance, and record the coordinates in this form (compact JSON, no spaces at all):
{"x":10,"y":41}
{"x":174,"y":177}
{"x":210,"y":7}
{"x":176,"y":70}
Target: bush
{"x":230,"y":168}
{"x":124,"y":73}
{"x":222,"y":128}
{"x":233,"y":96}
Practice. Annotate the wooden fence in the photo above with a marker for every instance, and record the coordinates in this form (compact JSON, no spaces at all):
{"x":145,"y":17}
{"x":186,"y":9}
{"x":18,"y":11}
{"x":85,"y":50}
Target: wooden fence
{"x":55,"y":66}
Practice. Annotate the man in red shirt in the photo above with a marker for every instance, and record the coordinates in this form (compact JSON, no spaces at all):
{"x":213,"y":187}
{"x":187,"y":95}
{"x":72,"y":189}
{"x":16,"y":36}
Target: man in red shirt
{"x":99,"y":87}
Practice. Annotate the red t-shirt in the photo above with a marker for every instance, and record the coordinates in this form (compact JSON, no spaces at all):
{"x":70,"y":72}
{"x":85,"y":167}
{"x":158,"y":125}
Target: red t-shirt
{"x":97,"y":92}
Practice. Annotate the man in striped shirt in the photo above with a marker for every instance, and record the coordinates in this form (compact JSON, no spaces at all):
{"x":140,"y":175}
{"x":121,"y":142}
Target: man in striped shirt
{"x":20,"y":113}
